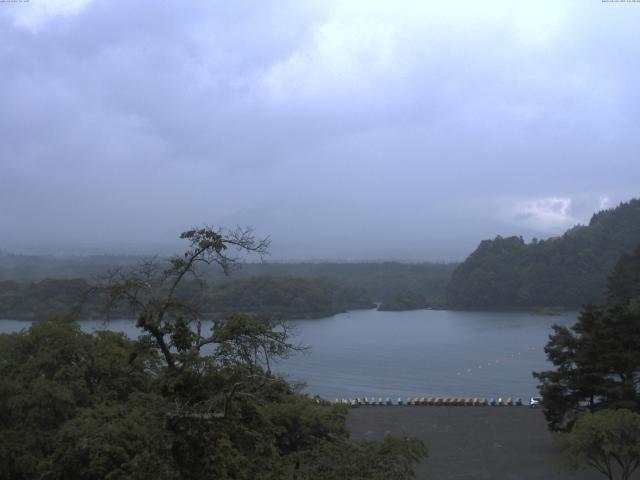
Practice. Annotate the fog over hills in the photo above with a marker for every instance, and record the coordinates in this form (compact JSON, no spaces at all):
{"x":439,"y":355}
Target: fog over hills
{"x":344,"y":130}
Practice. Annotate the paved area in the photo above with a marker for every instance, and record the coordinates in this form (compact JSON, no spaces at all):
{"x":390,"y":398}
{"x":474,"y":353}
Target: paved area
{"x":471,"y":443}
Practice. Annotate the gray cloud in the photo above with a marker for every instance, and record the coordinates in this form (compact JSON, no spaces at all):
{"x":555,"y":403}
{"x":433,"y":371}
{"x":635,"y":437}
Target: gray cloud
{"x":342,"y":129}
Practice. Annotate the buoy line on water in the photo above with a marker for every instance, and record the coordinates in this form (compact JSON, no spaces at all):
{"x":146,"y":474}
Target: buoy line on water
{"x":494,"y":363}
{"x":446,"y":401}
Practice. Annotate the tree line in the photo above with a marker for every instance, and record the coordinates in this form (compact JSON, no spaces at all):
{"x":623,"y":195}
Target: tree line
{"x":31,"y":286}
{"x":282,"y":297}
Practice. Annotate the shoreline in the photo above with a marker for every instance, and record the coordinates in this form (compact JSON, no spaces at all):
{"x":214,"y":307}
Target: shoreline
{"x":537,"y":311}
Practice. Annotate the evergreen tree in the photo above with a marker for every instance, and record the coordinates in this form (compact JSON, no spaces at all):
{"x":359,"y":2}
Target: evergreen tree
{"x":597,"y":361}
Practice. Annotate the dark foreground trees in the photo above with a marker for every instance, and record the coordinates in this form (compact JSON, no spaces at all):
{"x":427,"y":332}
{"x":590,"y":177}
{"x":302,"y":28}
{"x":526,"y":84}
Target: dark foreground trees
{"x":180,"y":402}
{"x":592,"y":397}
{"x":608,"y":441}
{"x":597,"y":365}
{"x":597,"y":361}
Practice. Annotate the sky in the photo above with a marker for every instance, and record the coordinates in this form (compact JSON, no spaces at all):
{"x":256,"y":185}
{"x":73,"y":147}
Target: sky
{"x":343,"y":130}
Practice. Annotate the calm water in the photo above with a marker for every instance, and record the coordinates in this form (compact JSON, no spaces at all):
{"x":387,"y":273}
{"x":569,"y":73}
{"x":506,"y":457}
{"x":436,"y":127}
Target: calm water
{"x":416,"y":353}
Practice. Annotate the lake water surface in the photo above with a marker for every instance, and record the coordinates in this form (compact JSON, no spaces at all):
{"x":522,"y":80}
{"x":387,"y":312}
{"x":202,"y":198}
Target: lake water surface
{"x":417,"y":353}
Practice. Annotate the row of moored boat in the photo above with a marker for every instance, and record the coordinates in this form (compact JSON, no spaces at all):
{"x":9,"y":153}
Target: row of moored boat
{"x":435,"y":401}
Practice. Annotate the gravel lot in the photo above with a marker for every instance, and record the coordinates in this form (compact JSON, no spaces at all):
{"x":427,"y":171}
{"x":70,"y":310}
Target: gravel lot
{"x":483,"y":443}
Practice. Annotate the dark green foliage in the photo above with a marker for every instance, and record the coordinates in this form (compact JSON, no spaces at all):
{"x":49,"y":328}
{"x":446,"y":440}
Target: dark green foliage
{"x":568,"y":271}
{"x":55,"y":380}
{"x":28,"y":301}
{"x":413,"y":300}
{"x":597,"y":364}
{"x":624,"y":282}
{"x":35,"y":268}
{"x":381,"y":282}
{"x":113,"y":440}
{"x":102,"y":406}
{"x":286,"y":297}
{"x":283,"y":297}
{"x":607,"y":441}
{"x":598,"y":359}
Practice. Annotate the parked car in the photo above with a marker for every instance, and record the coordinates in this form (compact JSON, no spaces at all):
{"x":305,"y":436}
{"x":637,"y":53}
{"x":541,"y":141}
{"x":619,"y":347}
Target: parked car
{"x":535,"y":402}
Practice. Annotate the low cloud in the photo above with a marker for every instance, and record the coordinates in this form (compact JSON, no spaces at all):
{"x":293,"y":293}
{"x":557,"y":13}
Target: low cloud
{"x":341,"y":129}
{"x":549,"y":215}
{"x":33,"y":15}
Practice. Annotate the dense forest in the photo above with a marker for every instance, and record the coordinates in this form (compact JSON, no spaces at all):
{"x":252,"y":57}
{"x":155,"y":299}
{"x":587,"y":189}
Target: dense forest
{"x":382,"y":280}
{"x":415,"y":299}
{"x":96,"y":406}
{"x":565,"y":271}
{"x":33,"y":286}
{"x":279,"y":297}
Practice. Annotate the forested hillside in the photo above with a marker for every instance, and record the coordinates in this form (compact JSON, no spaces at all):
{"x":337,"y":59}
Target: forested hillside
{"x":624,"y":283}
{"x":17,"y":267}
{"x":567,"y":271}
{"x":398,"y":286}
{"x":280,"y":297}
{"x":284,"y":297}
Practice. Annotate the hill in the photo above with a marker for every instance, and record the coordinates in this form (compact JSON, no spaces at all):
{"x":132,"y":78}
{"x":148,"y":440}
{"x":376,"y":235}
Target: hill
{"x":566,"y":271}
{"x":623,"y":286}
{"x":399,"y":286}
{"x":279,"y":297}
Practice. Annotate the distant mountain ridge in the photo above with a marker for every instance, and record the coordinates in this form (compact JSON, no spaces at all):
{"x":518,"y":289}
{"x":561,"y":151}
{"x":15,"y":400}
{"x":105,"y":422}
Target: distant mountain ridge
{"x":566,"y":271}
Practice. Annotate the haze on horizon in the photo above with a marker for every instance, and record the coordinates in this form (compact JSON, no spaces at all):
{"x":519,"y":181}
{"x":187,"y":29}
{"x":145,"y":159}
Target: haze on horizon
{"x":346,"y":130}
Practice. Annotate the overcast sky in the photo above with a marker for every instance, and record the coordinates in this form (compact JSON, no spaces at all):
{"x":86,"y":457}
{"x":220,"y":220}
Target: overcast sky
{"x":344,"y":130}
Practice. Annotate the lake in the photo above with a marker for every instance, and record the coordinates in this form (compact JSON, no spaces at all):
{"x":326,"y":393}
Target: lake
{"x":416,"y":353}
